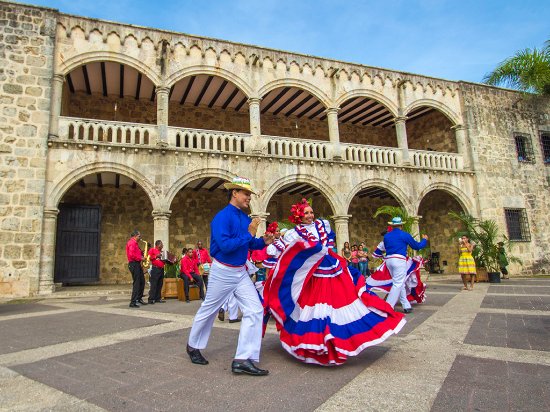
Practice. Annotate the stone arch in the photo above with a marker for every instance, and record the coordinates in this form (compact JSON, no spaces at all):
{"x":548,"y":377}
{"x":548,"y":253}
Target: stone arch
{"x":392,"y":188}
{"x":89,"y":57}
{"x":189,"y":177}
{"x":390,"y":105}
{"x":461,"y":197}
{"x":211,"y":71}
{"x":64,"y":183}
{"x":327,"y":191}
{"x":450,"y":114}
{"x":301,"y":84}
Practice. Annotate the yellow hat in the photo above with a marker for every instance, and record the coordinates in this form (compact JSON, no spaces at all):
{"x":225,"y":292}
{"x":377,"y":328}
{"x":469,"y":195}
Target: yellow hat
{"x":239,"y":183}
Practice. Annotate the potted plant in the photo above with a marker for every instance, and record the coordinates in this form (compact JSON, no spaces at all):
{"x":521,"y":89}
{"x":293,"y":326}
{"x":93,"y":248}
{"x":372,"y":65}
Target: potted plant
{"x":170,"y":284}
{"x":485,"y":235}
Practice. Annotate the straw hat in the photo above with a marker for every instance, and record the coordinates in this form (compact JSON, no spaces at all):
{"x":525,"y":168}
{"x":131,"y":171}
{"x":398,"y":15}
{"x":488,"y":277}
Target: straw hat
{"x":241,"y":183}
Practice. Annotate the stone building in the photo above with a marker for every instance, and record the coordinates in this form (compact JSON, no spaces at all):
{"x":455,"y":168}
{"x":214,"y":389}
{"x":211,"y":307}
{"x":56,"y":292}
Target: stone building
{"x":107,"y":127}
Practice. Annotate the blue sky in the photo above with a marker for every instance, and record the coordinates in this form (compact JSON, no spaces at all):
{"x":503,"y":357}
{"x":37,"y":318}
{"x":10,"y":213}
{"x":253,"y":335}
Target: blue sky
{"x":455,"y":40}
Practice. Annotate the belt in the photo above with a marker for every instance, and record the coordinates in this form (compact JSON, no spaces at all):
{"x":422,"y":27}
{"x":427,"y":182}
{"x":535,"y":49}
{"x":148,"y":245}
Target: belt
{"x":228,"y":265}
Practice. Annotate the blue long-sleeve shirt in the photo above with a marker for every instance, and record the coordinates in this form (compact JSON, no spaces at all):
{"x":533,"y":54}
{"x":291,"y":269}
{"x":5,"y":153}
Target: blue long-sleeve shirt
{"x":230,"y":239}
{"x":396,"y":242}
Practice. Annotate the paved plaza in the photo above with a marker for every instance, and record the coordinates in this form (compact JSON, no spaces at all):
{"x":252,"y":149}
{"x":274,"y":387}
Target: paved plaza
{"x":485,"y":350}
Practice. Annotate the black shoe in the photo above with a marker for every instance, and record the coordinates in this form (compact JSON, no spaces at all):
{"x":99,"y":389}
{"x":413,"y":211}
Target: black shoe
{"x":234,"y":320}
{"x":151,"y":302}
{"x":160,"y":301}
{"x":187,"y":301}
{"x":247,"y":367}
{"x":221,"y":315}
{"x":134,"y":305}
{"x":408,"y":310}
{"x":142,"y":302}
{"x":196,"y":356}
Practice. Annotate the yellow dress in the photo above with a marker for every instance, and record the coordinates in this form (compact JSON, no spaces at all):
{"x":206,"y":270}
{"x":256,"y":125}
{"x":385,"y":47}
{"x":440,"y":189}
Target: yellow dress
{"x":466,"y":263}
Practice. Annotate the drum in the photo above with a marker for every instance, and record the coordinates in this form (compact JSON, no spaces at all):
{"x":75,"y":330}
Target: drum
{"x":205,"y":268}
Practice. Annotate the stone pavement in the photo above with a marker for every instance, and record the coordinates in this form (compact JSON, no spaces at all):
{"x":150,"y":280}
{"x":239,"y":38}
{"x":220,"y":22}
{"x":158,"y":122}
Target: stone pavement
{"x":485,"y":350}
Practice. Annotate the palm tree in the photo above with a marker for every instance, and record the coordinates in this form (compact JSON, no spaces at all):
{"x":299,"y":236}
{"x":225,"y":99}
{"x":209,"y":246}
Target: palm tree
{"x":528,"y":70}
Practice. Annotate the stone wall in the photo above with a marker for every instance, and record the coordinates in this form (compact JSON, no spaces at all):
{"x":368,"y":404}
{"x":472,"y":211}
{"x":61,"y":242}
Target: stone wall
{"x":431,"y":132}
{"x":192,"y":212}
{"x":493,"y":117}
{"x":97,"y":106}
{"x":367,"y":135}
{"x":362,"y":226}
{"x":123,"y":209}
{"x":27,"y":37}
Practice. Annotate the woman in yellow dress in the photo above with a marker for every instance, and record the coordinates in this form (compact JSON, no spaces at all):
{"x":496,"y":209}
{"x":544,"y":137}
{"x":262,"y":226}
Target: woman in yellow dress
{"x":466,"y":263}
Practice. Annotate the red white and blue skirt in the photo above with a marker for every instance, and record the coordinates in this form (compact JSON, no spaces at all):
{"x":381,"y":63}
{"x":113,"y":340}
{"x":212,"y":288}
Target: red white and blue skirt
{"x":322,"y":308}
{"x":380,"y":280}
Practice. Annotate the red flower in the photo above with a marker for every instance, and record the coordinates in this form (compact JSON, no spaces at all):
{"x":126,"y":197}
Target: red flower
{"x":272,"y":228}
{"x":297,"y":212}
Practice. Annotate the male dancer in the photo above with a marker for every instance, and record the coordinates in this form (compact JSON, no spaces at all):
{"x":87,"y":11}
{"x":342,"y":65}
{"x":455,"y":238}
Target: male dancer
{"x":232,"y":236}
{"x":396,"y":242}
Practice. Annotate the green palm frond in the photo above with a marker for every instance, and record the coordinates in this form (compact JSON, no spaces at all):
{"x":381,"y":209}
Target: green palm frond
{"x":528,"y":70}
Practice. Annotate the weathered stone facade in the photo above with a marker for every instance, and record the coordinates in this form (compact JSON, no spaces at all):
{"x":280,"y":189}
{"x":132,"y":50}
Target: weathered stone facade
{"x":438,"y":146}
{"x":27,"y":41}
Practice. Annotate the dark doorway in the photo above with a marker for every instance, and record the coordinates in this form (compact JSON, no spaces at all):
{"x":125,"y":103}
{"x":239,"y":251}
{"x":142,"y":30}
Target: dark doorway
{"x":77,"y":244}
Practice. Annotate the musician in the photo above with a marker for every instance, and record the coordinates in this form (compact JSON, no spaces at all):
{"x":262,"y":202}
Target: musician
{"x":200,"y":254}
{"x":157,"y":273}
{"x":189,"y":271}
{"x":135,"y":256}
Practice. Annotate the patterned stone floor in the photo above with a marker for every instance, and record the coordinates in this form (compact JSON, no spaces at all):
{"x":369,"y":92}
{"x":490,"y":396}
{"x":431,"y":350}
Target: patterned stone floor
{"x":485,"y":350}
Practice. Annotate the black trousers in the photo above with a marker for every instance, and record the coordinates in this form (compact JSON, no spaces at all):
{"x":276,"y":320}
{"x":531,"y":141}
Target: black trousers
{"x":198,"y":281}
{"x":156,"y":280}
{"x":138,"y":281}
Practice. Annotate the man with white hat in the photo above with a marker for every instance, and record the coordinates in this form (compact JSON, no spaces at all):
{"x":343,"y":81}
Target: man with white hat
{"x":396,"y":242}
{"x":232,"y":236}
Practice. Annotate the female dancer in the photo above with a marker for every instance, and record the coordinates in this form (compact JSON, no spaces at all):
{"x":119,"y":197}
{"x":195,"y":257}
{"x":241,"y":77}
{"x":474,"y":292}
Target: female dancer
{"x":322,"y":310}
{"x":466,"y":263}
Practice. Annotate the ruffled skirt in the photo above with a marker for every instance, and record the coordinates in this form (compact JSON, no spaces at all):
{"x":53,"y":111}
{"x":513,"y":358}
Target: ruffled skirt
{"x":380,"y":280}
{"x":323,"y":311}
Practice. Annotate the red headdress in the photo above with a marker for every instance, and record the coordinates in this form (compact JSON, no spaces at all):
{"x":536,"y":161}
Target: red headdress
{"x":272,"y":228}
{"x":297,"y":211}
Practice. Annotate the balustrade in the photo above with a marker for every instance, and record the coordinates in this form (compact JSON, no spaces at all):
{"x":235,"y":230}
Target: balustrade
{"x":123,"y":133}
{"x":371,"y":154}
{"x":104,"y":131}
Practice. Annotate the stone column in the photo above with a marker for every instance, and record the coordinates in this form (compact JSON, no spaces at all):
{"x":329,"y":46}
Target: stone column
{"x":341,"y":229}
{"x":333,"y":132}
{"x":47,"y":252}
{"x":262,"y":227}
{"x":255,"y":127}
{"x":401,"y":131}
{"x":161,"y":229}
{"x":415,"y":232}
{"x":460,"y":134}
{"x":55,"y":111}
{"x":162,"y":114}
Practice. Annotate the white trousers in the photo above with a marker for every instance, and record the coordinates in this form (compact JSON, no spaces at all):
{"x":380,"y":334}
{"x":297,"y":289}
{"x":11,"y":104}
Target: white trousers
{"x":231,"y":306}
{"x":225,"y":281}
{"x":398,"y":270}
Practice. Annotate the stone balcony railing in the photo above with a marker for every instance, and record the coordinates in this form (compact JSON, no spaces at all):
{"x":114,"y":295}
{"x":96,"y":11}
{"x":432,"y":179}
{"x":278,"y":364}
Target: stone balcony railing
{"x":105,"y":131}
{"x":136,"y":134}
{"x":375,"y":155}
{"x":208,"y":140}
{"x":436,"y":160}
{"x":299,"y":148}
